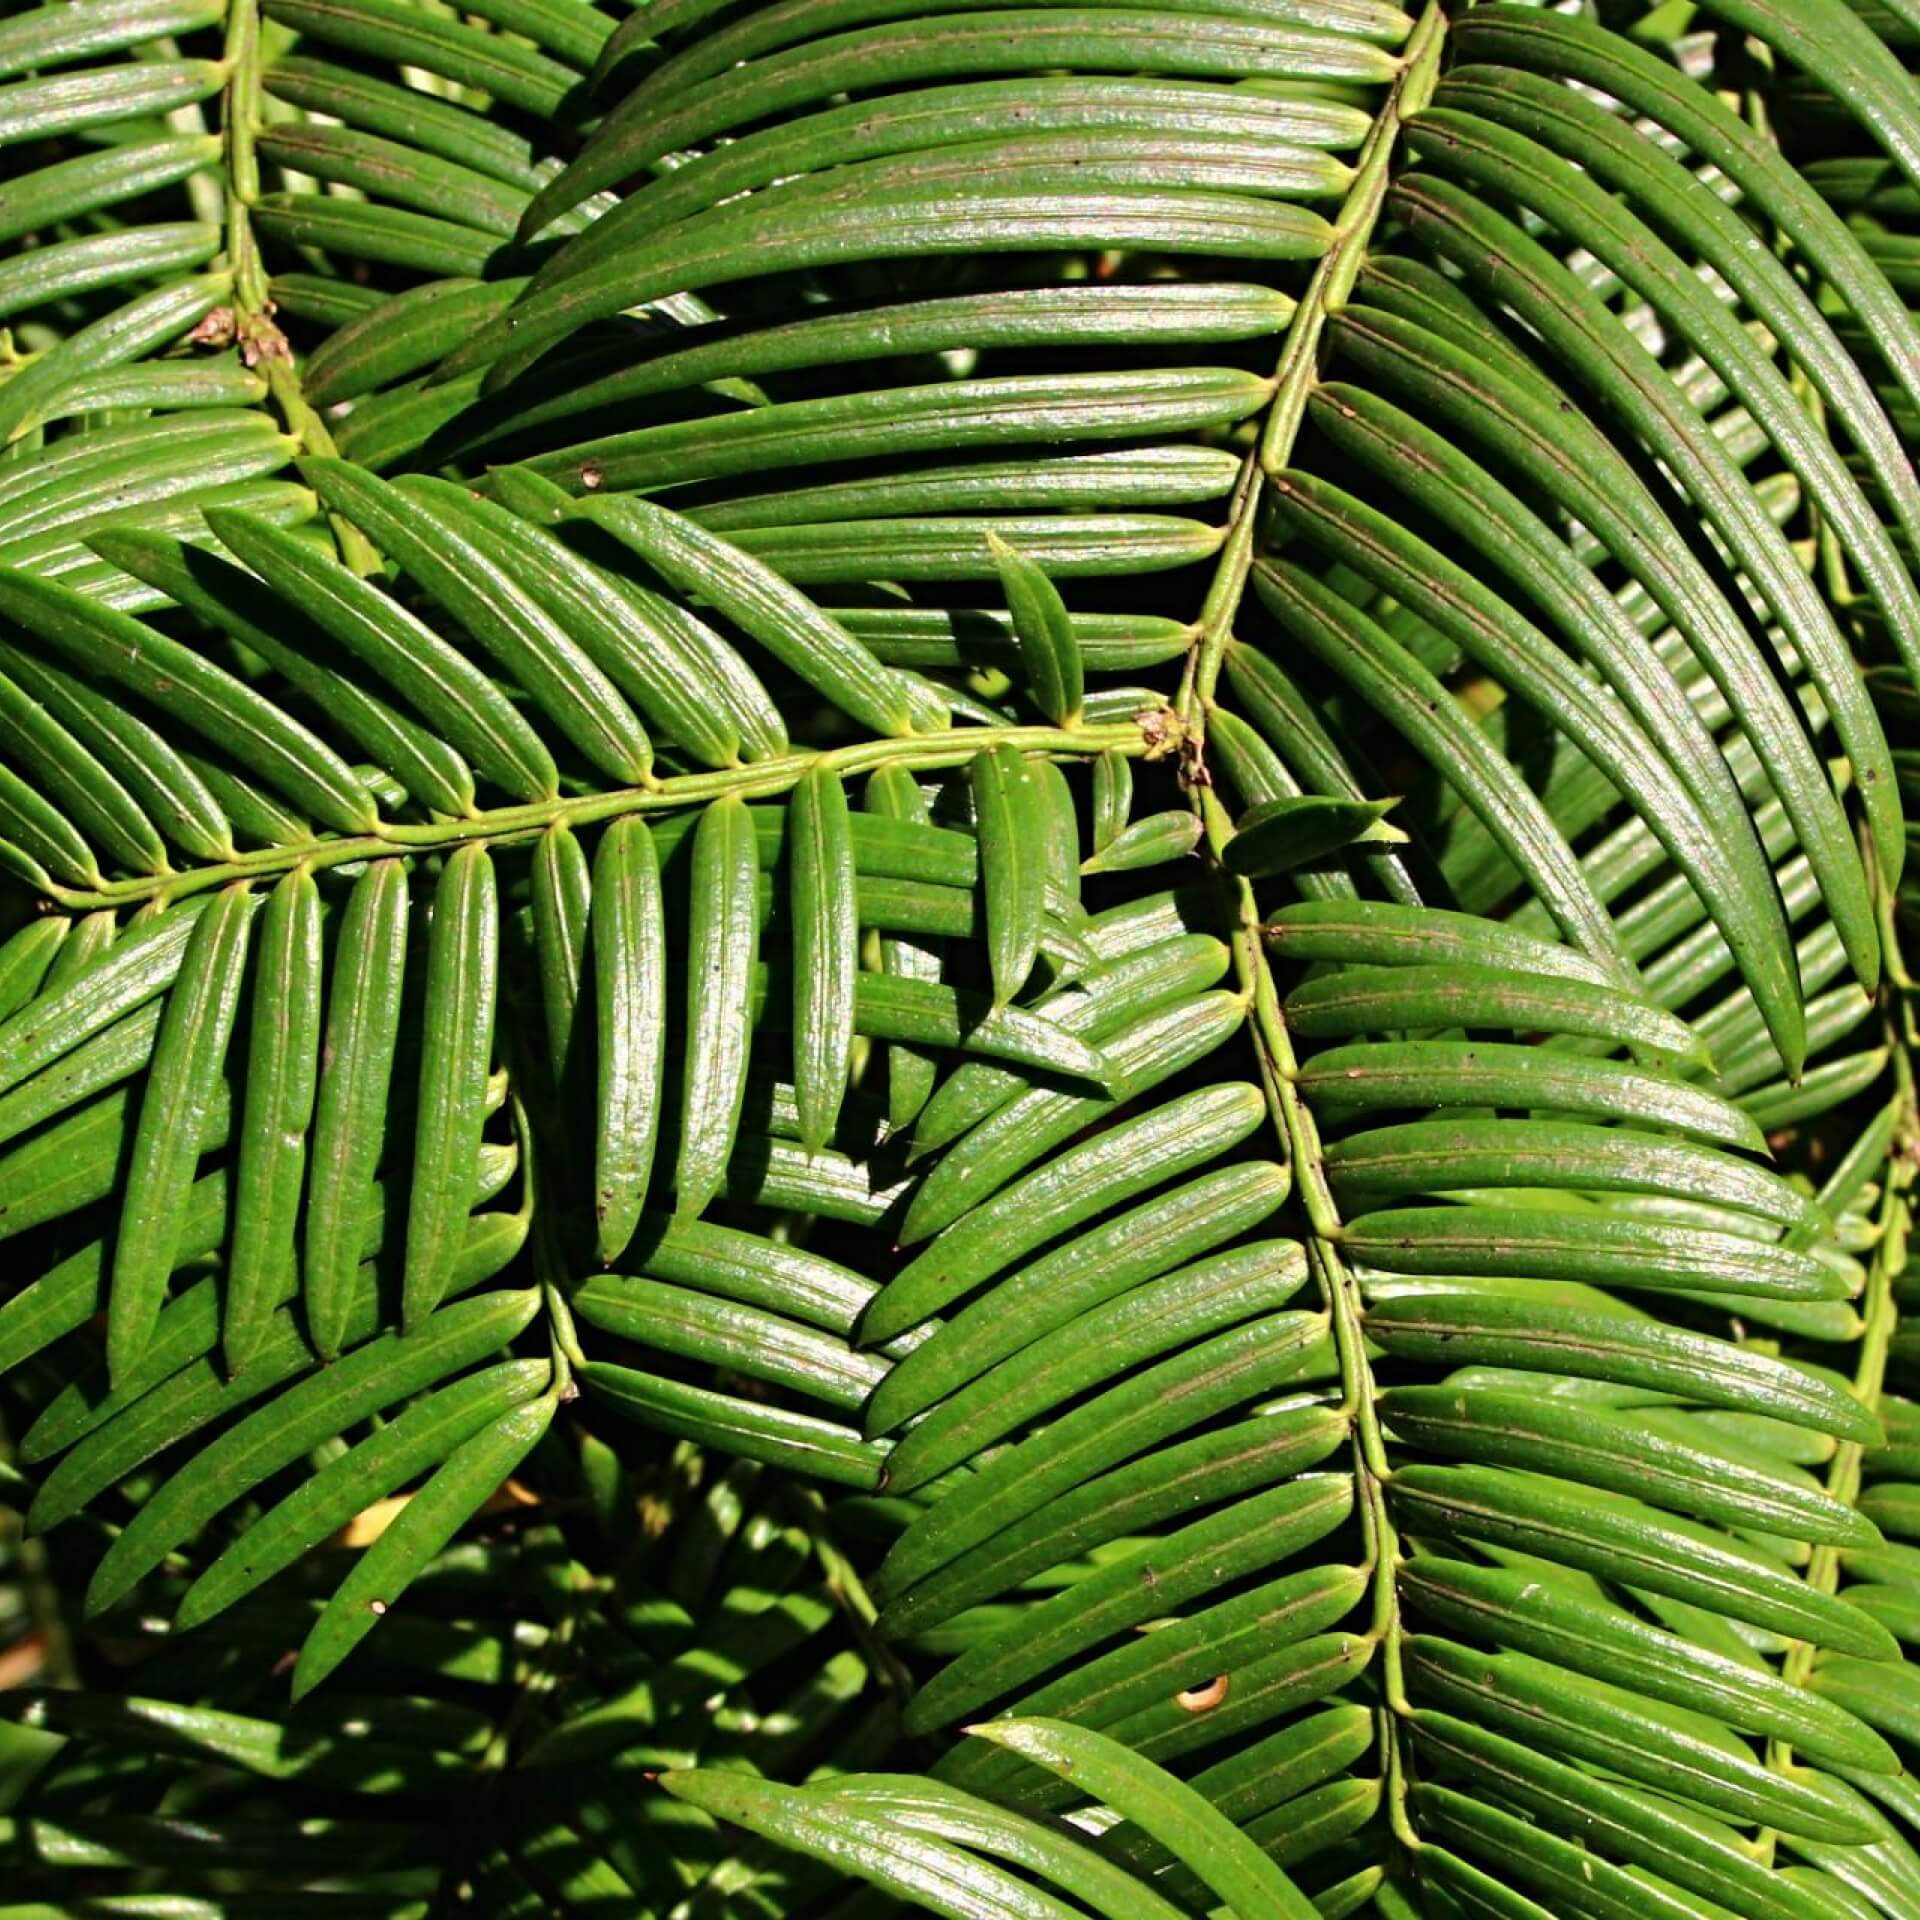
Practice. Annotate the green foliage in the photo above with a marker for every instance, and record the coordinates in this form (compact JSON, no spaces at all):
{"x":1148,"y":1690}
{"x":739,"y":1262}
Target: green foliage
{"x":952,"y":960}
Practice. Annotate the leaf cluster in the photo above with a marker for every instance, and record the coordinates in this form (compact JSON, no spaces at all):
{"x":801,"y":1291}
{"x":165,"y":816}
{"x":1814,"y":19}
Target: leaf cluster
{"x":953,"y":959}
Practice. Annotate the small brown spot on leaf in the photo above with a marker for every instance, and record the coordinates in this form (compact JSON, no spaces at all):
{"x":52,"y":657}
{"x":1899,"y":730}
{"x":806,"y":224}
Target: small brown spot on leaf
{"x":1205,"y":1699}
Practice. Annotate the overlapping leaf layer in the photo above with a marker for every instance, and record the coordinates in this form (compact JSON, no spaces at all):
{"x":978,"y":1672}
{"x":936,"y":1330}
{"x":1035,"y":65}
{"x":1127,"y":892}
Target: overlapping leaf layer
{"x":956,"y":959}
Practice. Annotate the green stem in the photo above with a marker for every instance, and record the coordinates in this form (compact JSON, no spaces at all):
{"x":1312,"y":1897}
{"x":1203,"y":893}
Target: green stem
{"x":1339,"y":267}
{"x":504,"y":826}
{"x":1294,"y":1123}
{"x":1299,"y":368}
{"x":1331,"y":286}
{"x":1880,"y":1313}
{"x":262,"y":344}
{"x":239,"y":103}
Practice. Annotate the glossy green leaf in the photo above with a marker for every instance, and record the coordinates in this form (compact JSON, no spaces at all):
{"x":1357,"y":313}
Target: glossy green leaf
{"x":930,"y":1808}
{"x":430,"y":674}
{"x":188,"y":1056}
{"x":824,"y":934}
{"x":381,"y":1373}
{"x":1007,"y":806}
{"x":1622,"y":1822}
{"x":799,"y":1443}
{"x":1435,"y":1156}
{"x":1633,"y":1545}
{"x":456,"y":1053}
{"x":466,"y":1478}
{"x":270,"y":1750}
{"x":461,"y":572}
{"x":1074,"y":1187}
{"x":1147,"y":842}
{"x":283,"y":1064}
{"x":400,"y":336}
{"x":1634,"y":74}
{"x":933,"y":1874}
{"x":628,"y":930}
{"x":744,"y":1339}
{"x":1028,"y":1127}
{"x":809,"y":642}
{"x":1657,"y":754}
{"x":928,"y":1014}
{"x":1394,"y":999}
{"x":1099,"y":1003}
{"x":1564,"y":455}
{"x":617,"y":628}
{"x":1044,"y":629}
{"x":1608,"y":1643}
{"x":1368,"y":1075}
{"x":104,"y":814}
{"x":1251,"y":1535}
{"x":32,"y":109}
{"x":1613,"y":1451}
{"x":76,"y":1160}
{"x":911,"y":1072}
{"x":25,"y":958}
{"x":350,"y":1109}
{"x":1187,"y":1824}
{"x":1459,"y":1327}
{"x":391,"y":30}
{"x":1564,"y":1243}
{"x":702,"y":688}
{"x":48,"y":36}
{"x":707,"y":406}
{"x":158,"y":775}
{"x":1386,"y":675}
{"x":1494,"y":155}
{"x":180,"y":683}
{"x":151,"y":321}
{"x":723,"y":935}
{"x":425,"y":766}
{"x":1551,"y":1866}
{"x":562,"y":903}
{"x":968,"y":44}
{"x":1462,"y":230}
{"x":1026,"y":1519}
{"x":1379,"y":933}
{"x":420,"y":1438}
{"x":1127,"y":1324}
{"x":1278,"y":835}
